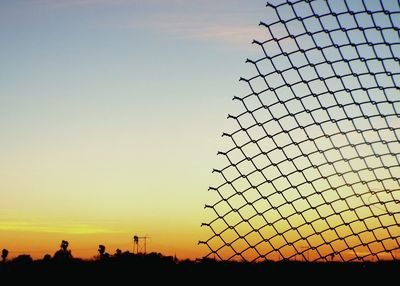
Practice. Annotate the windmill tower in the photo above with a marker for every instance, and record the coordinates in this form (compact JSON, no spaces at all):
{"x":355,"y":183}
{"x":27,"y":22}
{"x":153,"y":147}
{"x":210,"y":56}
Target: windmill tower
{"x":140,"y":244}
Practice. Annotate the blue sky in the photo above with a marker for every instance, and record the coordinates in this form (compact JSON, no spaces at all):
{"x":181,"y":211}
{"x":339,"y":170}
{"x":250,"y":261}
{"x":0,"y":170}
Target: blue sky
{"x":111,"y":112}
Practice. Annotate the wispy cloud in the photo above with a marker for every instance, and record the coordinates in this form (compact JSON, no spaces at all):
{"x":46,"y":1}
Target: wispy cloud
{"x":226,"y":3}
{"x":65,"y":3}
{"x":202,"y":27}
{"x":228,"y":21}
{"x":53,"y":228}
{"x":206,"y":31}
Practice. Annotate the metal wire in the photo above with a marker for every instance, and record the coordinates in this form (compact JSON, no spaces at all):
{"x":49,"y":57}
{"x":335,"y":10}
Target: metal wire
{"x":313,"y":167}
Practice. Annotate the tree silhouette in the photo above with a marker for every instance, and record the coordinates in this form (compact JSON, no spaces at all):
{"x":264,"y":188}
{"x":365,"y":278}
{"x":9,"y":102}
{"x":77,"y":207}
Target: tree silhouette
{"x":64,"y":245}
{"x":4,"y":254}
{"x":118,"y":252}
{"x":102,"y":252}
{"x":63,"y":253}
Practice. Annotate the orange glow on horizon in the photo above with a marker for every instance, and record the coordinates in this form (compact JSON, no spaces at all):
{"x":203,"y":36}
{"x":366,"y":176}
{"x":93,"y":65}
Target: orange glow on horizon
{"x":37,"y":244}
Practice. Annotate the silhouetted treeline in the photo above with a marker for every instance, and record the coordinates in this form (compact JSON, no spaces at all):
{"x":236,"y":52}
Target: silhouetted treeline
{"x":126,"y":268}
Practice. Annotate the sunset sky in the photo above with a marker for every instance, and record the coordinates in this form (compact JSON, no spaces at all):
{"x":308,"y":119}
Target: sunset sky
{"x":110,"y":114}
{"x":112,"y":111}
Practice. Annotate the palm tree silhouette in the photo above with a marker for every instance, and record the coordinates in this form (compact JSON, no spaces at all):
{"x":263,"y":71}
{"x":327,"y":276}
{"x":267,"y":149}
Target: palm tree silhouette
{"x":4,"y":254}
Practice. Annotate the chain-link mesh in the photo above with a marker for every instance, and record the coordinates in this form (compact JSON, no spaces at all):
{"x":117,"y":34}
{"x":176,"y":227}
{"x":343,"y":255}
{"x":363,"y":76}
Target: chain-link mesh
{"x":313,"y":169}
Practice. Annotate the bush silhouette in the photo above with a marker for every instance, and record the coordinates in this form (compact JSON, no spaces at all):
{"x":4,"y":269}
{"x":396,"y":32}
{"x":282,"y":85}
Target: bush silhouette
{"x":23,"y":259}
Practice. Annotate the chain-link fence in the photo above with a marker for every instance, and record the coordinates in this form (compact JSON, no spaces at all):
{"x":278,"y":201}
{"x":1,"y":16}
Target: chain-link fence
{"x":313,"y":167}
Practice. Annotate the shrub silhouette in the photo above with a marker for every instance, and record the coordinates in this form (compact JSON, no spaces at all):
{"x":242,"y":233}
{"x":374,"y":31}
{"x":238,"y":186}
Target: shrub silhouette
{"x":23,"y":259}
{"x":47,"y":257}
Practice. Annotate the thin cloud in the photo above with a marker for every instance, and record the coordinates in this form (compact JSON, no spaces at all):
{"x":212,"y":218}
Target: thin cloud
{"x":227,"y":21}
{"x":226,"y":3}
{"x":233,"y":34}
{"x":203,"y":27}
{"x":53,"y":228}
{"x":66,"y":3}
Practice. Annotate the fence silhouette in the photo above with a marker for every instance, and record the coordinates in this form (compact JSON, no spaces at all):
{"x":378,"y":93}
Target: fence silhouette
{"x":312,"y":170}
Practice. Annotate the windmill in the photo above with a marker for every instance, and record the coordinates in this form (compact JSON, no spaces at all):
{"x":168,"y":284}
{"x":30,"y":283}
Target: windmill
{"x":140,"y":244}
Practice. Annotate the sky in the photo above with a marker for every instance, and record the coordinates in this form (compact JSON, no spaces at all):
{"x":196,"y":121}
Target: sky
{"x":112,"y":111}
{"x":110,"y":115}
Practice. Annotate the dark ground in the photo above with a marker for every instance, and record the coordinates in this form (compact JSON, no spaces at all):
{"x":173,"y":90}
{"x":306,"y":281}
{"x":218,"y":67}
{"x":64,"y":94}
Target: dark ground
{"x":155,"y":269}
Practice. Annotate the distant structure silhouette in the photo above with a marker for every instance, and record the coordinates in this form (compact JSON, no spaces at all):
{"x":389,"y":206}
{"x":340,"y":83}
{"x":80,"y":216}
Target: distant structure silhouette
{"x":312,"y":166}
{"x":4,"y":254}
{"x":140,"y":244}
